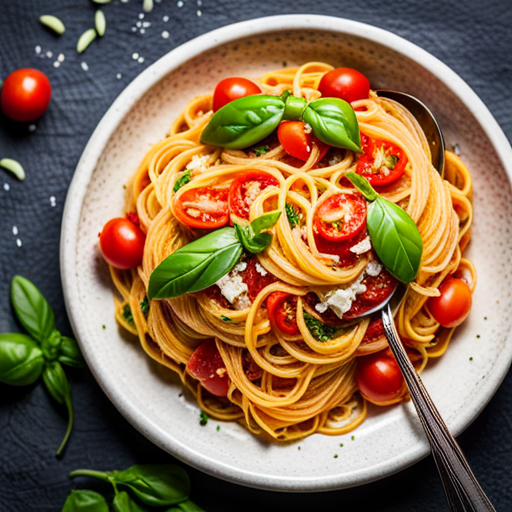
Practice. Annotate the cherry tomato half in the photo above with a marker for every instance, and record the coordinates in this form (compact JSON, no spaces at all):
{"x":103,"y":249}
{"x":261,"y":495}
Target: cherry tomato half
{"x":206,"y":365}
{"x":25,"y":95}
{"x":344,"y":83}
{"x":122,"y":243}
{"x":202,"y":207}
{"x":340,"y":217}
{"x":245,"y":188}
{"x":379,"y":378}
{"x":281,"y":308}
{"x":381,"y":162}
{"x":452,"y":307}
{"x":345,"y":257}
{"x":231,"y":89}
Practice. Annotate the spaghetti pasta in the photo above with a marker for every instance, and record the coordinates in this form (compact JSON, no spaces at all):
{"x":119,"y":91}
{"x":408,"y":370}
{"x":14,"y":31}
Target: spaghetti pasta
{"x":291,"y":381}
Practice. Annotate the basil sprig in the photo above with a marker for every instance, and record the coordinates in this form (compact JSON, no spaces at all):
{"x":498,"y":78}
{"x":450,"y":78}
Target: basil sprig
{"x":247,"y":121}
{"x":394,"y":235}
{"x":204,"y":261}
{"x":83,"y":500}
{"x":155,"y":485}
{"x":24,"y":359}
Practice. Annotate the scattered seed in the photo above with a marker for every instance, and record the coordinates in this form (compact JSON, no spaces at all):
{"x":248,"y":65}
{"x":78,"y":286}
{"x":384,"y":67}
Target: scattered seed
{"x":165,"y":19}
{"x":142,"y":30}
{"x":13,"y":166}
{"x":147,"y":5}
{"x":56,"y":64}
{"x":85,"y":66}
{"x":85,"y":40}
{"x":14,"y":230}
{"x":101,"y":1}
{"x":53,"y":23}
{"x":138,"y":24}
{"x":49,"y":54}
{"x":18,"y":242}
{"x":7,"y":187}
{"x":61,"y":57}
{"x":199,"y":13}
{"x":335,"y":455}
{"x":53,"y":201}
{"x":135,"y":56}
{"x":32,"y":127}
{"x":103,"y":326}
{"x":141,"y":16}
{"x":119,"y":76}
{"x":38,"y":50}
{"x":471,"y":359}
{"x":100,"y":22}
{"x":140,"y":60}
{"x":165,"y":34}
{"x":146,"y":24}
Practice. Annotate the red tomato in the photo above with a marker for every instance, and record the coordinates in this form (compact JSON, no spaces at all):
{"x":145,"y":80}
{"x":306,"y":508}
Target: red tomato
{"x":25,"y":94}
{"x":295,"y":141}
{"x":381,"y":162}
{"x":281,"y":308}
{"x":254,"y":280}
{"x":202,"y":207}
{"x":452,"y":307}
{"x":231,"y":89}
{"x":378,"y":289}
{"x":122,"y":243}
{"x":206,"y":365}
{"x":340,"y":217}
{"x":374,"y":332}
{"x":245,"y":188}
{"x":344,"y":83}
{"x":379,"y":378}
{"x":346,"y":257}
{"x":252,"y":370}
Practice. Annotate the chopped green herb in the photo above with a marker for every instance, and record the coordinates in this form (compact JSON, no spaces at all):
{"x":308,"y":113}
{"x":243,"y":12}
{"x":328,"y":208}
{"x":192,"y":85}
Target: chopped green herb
{"x":341,"y":445}
{"x":103,"y":326}
{"x":127,"y":314}
{"x":391,"y":161}
{"x":182,"y":180}
{"x":319,"y":330}
{"x":353,"y":437}
{"x":298,"y":447}
{"x":261,"y":150}
{"x":335,"y":455}
{"x":478,"y":335}
{"x":471,"y":359}
{"x":292,"y":212}
{"x":203,"y":418}
{"x":218,"y":428}
{"x":225,"y":318}
{"x":53,"y":23}
{"x":144,"y":306}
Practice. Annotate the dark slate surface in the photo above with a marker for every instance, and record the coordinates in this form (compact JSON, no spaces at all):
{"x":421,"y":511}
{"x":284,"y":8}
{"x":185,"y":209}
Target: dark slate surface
{"x":472,"y":37}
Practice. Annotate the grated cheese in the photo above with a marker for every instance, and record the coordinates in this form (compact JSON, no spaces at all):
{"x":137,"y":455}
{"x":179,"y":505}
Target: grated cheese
{"x":362,"y":247}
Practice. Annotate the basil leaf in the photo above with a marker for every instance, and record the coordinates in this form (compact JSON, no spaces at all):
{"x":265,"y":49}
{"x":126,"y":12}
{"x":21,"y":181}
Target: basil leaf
{"x":32,"y":309}
{"x":334,"y":122}
{"x":251,"y":236}
{"x":189,"y":506}
{"x":155,"y":484}
{"x":69,"y":353}
{"x":182,"y":180}
{"x":57,"y":384}
{"x":85,"y":501}
{"x":265,"y":221}
{"x":395,"y":238}
{"x":21,"y":360}
{"x":293,"y":215}
{"x":195,"y":266}
{"x":123,"y":503}
{"x":363,"y":185}
{"x":244,"y":122}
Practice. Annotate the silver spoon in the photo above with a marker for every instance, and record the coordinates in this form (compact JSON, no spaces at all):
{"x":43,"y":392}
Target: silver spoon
{"x":426,"y":120}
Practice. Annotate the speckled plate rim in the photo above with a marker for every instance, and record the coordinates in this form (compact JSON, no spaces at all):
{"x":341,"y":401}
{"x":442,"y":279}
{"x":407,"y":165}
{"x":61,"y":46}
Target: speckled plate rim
{"x":94,"y":149}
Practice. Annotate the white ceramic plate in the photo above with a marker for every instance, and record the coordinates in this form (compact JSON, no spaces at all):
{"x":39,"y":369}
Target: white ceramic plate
{"x":147,"y":395}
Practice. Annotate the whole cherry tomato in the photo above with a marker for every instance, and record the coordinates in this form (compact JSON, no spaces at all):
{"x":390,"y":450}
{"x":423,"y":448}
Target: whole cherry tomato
{"x":379,"y":378}
{"x":122,"y":243}
{"x":295,"y":141}
{"x":281,"y":308}
{"x":452,"y":307}
{"x":202,"y":207}
{"x":207,"y":366}
{"x":25,"y":95}
{"x":231,"y":89}
{"x":344,"y":83}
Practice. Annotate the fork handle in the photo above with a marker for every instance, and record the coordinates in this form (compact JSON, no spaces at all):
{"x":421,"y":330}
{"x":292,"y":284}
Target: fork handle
{"x":463,"y":492}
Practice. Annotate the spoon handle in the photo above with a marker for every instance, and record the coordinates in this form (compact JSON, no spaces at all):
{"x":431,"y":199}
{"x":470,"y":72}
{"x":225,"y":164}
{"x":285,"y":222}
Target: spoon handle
{"x":462,"y":489}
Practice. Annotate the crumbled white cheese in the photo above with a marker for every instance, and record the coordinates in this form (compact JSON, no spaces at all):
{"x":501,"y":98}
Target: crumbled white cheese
{"x":340,"y":300}
{"x":336,"y":159}
{"x":198,"y":163}
{"x":307,"y":128}
{"x":362,"y":247}
{"x":374,"y":268}
{"x":260,"y":269}
{"x":233,"y":288}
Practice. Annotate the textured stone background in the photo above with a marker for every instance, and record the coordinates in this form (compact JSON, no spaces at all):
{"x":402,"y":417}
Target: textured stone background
{"x":472,"y":37}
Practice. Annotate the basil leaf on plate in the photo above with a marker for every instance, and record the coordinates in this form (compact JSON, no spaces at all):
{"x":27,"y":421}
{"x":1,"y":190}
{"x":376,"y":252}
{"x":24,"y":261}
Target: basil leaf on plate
{"x":32,"y":309}
{"x":195,"y":266}
{"x":334,"y":122}
{"x":244,"y":122}
{"x":394,"y":235}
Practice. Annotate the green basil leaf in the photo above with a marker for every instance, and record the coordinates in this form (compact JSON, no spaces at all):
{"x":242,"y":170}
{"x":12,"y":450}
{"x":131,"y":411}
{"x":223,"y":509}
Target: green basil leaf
{"x":395,"y":238}
{"x":123,"y":503}
{"x":182,"y":180}
{"x":195,"y":266}
{"x":292,"y":213}
{"x":32,"y":309}
{"x":85,"y":501}
{"x":319,"y":330}
{"x":155,"y":484}
{"x":334,"y":122}
{"x":265,"y":221}
{"x":244,"y":122}
{"x":363,"y":185}
{"x":69,"y":353}
{"x":189,"y":506}
{"x":21,"y":360}
{"x":253,"y":244}
{"x":57,"y":384}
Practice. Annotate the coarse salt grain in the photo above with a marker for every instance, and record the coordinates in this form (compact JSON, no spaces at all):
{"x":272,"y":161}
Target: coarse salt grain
{"x":85,"y":66}
{"x":14,"y":230}
{"x":140,"y":60}
{"x":7,"y":187}
{"x":56,"y":64}
{"x":199,"y":13}
{"x":165,"y":34}
{"x":135,"y":56}
{"x":180,"y":4}
{"x":119,"y":76}
{"x":142,"y":31}
{"x":165,"y":19}
{"x":53,"y":201}
{"x":49,"y":54}
{"x":146,"y":24}
{"x":38,"y":49}
{"x":18,"y":242}
{"x":61,"y":57}
{"x":141,"y":16}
